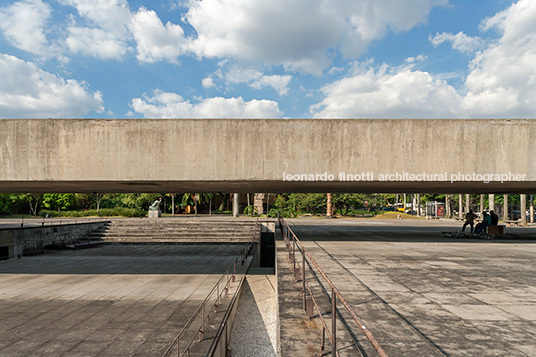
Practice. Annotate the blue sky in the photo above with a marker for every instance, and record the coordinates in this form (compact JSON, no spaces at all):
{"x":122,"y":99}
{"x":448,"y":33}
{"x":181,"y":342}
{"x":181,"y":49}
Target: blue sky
{"x":267,"y":59}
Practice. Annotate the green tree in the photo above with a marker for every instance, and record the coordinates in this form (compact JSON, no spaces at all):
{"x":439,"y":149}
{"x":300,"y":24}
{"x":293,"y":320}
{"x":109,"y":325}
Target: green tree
{"x":62,"y":201}
{"x":31,"y":200}
{"x":5,"y":203}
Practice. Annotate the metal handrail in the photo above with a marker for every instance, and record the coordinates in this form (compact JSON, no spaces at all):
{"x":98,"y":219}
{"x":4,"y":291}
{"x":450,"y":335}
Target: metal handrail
{"x":228,"y":277}
{"x":336,"y":294}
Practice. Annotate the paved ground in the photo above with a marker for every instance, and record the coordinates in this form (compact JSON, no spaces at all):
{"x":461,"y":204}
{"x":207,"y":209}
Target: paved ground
{"x":422,"y":294}
{"x":107,"y":301}
{"x":256,"y":319}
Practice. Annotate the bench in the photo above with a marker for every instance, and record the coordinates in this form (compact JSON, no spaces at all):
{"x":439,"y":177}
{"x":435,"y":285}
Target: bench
{"x":513,"y":222}
{"x":494,"y":230}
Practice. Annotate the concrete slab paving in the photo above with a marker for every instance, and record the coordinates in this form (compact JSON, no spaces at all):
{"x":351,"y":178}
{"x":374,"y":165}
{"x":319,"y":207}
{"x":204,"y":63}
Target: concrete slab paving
{"x":423,"y":294}
{"x":112,"y":300}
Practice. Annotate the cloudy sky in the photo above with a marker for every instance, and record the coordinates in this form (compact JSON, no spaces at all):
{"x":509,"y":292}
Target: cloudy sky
{"x":268,"y":59}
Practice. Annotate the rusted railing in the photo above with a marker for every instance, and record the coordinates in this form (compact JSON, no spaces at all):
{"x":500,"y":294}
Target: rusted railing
{"x":206,"y":308}
{"x":291,"y":242}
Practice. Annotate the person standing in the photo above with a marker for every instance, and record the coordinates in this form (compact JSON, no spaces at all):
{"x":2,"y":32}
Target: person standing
{"x":469,"y":220}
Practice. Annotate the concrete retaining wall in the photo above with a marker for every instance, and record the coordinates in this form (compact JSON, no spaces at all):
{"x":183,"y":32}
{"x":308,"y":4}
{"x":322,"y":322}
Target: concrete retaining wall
{"x":33,"y":239}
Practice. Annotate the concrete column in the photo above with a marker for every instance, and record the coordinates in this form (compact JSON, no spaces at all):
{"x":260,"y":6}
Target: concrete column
{"x":531,"y":209}
{"x":405,"y":200}
{"x":418,"y":204}
{"x":481,"y":205}
{"x":447,"y":206}
{"x":467,"y":202}
{"x":258,"y":199}
{"x":491,"y":199}
{"x":505,"y":207}
{"x":173,"y":204}
{"x":236,"y":203}
{"x":523,"y":209}
{"x":329,"y":210}
{"x":460,"y":205}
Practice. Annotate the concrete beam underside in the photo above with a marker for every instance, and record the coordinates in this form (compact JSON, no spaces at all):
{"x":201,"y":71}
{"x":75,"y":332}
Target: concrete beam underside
{"x":252,"y":155}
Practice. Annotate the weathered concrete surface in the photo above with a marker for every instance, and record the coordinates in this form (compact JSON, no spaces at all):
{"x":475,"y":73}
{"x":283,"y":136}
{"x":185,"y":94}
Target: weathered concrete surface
{"x":250,"y":155}
{"x":24,"y":240}
{"x":106,"y":301}
{"x":424,"y":295}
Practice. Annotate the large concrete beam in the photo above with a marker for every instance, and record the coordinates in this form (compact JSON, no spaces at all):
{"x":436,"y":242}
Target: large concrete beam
{"x":251,"y":155}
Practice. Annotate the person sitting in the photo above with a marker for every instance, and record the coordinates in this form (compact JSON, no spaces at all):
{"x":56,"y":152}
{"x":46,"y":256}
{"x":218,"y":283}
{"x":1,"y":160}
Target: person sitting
{"x":486,"y":221}
{"x":494,"y":218}
{"x":469,"y":220}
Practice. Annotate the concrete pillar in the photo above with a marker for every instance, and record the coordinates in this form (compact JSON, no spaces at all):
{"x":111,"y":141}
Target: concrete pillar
{"x":460,"y":205}
{"x":531,"y":209}
{"x":236,"y":203}
{"x":505,"y":207}
{"x":467,"y":202}
{"x":329,"y":210}
{"x":405,"y":200}
{"x":491,"y":199}
{"x":447,"y":206}
{"x":481,"y":205}
{"x":258,"y":199}
{"x":523,"y":209}
{"x":173,"y":204}
{"x":418,"y":204}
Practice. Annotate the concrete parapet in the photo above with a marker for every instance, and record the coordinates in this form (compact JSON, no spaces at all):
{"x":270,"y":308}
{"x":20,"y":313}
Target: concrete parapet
{"x":22,"y":241}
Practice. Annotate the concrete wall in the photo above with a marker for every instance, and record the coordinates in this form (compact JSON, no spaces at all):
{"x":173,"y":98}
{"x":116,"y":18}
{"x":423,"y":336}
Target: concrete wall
{"x":32,"y":239}
{"x":250,"y":155}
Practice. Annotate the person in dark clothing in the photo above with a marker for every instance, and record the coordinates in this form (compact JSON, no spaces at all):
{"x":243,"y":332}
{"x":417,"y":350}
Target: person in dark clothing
{"x":469,"y":220}
{"x":486,"y":221}
{"x":494,"y":218}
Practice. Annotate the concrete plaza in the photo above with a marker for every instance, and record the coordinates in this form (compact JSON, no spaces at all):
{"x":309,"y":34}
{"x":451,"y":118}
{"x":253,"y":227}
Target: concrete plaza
{"x":114,"y":300}
{"x":422,"y":294}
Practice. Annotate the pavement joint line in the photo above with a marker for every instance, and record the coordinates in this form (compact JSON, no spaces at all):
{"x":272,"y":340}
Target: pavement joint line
{"x":426,"y":338}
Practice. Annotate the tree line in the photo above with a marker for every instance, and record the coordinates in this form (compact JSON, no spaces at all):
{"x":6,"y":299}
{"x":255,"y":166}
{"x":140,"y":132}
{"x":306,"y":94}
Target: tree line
{"x":137,"y":204}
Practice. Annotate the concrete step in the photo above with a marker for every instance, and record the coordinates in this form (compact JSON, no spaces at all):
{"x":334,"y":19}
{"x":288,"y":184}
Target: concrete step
{"x":171,"y":231}
{"x":175,"y":240}
{"x":174,"y":231}
{"x":164,"y":234}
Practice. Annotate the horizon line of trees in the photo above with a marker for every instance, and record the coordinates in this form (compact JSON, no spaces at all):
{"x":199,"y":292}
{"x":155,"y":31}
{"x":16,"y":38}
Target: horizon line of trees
{"x":288,"y":204}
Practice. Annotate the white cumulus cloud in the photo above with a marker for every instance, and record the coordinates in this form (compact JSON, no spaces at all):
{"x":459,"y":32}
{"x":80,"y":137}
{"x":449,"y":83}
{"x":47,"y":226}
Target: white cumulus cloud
{"x":155,"y":41}
{"x":256,"y":79}
{"x":459,"y":41}
{"x":208,"y":82}
{"x":95,"y":42}
{"x":298,"y":34}
{"x":29,"y":92}
{"x":23,"y":24}
{"x":502,"y":80}
{"x":172,"y":105}
{"x":388,"y":93}
{"x":102,"y":31}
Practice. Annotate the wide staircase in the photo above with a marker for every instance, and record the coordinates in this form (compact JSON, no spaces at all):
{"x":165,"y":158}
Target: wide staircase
{"x":175,"y":231}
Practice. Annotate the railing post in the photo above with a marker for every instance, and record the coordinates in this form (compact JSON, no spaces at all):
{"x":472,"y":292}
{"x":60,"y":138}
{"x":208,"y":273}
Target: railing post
{"x":323,"y":338}
{"x":294,"y":253}
{"x":202,"y":329}
{"x":303,"y":279}
{"x":234,"y":271}
{"x":333,"y":322}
